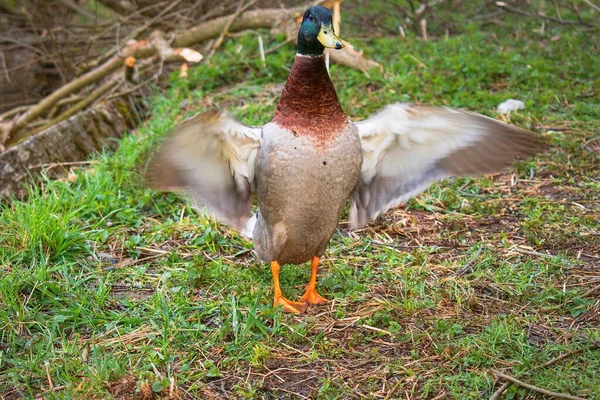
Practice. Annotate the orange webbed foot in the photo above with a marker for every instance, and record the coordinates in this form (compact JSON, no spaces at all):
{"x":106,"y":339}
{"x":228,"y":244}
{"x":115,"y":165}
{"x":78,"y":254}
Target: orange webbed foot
{"x":289,"y":305}
{"x":311,"y":296}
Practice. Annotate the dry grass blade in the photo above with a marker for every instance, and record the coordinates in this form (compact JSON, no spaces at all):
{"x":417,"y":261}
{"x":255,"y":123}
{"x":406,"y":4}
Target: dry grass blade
{"x":393,"y":390}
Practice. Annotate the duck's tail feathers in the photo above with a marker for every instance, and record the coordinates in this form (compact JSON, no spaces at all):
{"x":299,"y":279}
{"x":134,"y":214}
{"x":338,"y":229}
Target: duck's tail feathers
{"x":249,"y":228}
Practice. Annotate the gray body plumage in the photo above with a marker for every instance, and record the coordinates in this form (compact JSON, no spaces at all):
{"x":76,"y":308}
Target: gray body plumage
{"x":302,"y":188}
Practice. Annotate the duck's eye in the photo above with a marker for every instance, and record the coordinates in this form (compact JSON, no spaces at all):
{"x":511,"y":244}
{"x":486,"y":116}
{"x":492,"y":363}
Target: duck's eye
{"x":325,"y":32}
{"x":311,"y":18}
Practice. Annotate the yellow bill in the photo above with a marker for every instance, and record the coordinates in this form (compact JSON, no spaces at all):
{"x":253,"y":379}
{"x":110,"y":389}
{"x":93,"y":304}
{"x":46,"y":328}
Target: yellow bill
{"x":328,"y":38}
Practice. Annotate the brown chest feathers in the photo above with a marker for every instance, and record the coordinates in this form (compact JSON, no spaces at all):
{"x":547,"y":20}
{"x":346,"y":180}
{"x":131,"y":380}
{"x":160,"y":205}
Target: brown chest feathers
{"x":309,"y":105}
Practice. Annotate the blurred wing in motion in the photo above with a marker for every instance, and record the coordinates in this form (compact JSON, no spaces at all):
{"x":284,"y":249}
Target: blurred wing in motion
{"x":408,"y":147}
{"x":211,"y":157}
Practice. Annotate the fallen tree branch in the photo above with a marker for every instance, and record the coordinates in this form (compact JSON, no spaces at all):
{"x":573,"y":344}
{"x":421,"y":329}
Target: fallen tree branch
{"x":83,"y":104}
{"x":70,"y":141}
{"x":351,"y":58}
{"x":254,"y":19}
{"x":12,"y":112}
{"x":139,"y":51}
{"x":18,"y":110}
{"x":143,"y":49}
{"x":336,"y":16}
{"x":130,"y":70}
{"x":135,"y":33}
{"x":67,"y":100}
{"x":166,"y":53}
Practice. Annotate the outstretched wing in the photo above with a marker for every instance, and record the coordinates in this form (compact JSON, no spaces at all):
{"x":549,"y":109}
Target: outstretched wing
{"x":210,"y":156}
{"x":407,"y":147}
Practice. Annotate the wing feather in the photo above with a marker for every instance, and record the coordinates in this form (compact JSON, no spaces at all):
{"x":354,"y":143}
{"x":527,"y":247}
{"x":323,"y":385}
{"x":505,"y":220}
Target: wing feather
{"x":211,"y":157}
{"x":407,"y":147}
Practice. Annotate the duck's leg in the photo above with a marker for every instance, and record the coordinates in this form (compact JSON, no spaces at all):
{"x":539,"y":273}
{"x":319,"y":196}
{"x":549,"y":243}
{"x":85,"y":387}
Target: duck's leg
{"x":311,"y":296}
{"x":288,"y":305}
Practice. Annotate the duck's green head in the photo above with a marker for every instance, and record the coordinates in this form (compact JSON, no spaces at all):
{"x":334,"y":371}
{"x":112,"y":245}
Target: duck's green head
{"x":316,"y":32}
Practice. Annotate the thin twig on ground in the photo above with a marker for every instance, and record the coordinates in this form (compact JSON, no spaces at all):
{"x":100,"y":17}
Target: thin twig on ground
{"x":534,"y":388}
{"x":393,"y":390}
{"x":498,"y":393}
{"x":468,"y":264}
{"x":591,"y":291}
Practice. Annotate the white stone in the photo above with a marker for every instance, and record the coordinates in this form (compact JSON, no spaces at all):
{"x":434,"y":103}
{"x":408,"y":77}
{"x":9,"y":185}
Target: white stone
{"x":510,"y":105}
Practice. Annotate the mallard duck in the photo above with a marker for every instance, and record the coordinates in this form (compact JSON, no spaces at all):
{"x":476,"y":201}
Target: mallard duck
{"x":306,"y":163}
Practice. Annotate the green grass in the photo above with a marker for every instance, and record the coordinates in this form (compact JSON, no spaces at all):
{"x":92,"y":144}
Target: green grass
{"x":110,"y":289}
